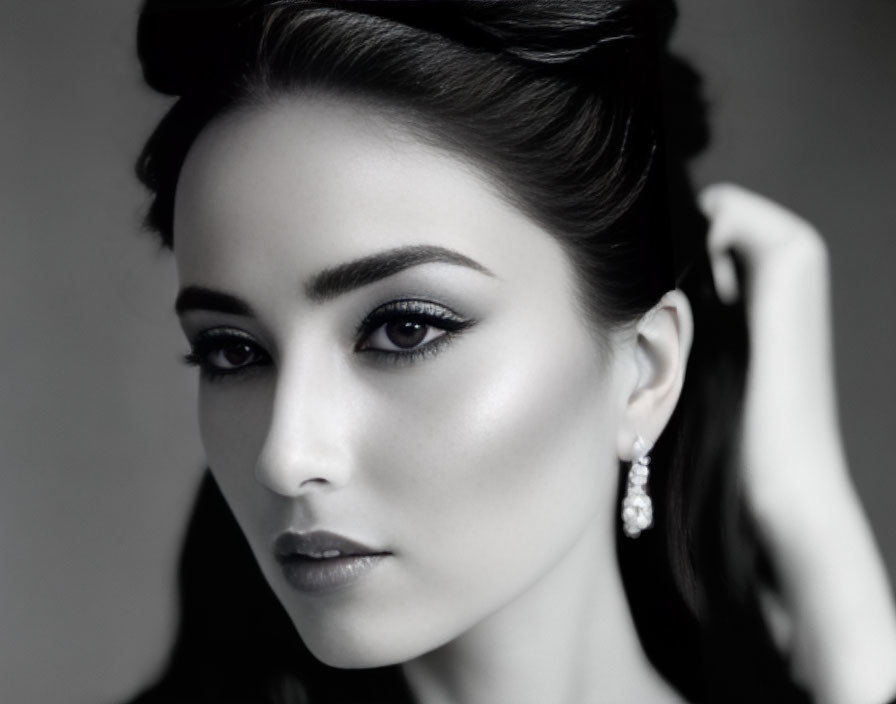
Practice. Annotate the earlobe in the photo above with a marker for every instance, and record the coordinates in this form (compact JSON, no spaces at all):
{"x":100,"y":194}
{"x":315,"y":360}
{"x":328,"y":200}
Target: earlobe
{"x":661,"y":349}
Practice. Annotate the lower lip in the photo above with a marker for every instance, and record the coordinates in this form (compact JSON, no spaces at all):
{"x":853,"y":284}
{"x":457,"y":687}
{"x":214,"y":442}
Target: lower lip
{"x":326,"y":575}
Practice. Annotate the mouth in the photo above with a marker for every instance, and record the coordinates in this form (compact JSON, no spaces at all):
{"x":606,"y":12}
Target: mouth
{"x":320,"y":562}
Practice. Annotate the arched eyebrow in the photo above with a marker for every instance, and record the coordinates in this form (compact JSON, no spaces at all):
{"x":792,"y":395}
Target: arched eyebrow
{"x":202,"y":298}
{"x":333,"y":282}
{"x":330,"y":283}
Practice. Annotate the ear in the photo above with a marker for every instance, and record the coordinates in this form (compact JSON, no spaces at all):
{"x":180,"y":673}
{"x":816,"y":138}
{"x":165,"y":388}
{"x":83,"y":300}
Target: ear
{"x":660,"y":355}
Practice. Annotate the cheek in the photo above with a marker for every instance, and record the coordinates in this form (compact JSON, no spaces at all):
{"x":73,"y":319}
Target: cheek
{"x":497,"y":461}
{"x":479,"y":468}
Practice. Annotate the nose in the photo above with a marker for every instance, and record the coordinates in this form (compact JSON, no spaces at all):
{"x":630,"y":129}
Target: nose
{"x":306,"y":448}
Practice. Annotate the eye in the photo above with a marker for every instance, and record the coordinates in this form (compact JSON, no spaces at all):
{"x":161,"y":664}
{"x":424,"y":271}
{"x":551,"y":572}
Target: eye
{"x":403,"y":334}
{"x":408,"y":328}
{"x":225,"y":352}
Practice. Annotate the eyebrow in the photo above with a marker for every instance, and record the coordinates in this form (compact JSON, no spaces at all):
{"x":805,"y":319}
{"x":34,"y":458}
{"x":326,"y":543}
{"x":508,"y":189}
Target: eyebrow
{"x":201,"y":298}
{"x":330,"y":283}
{"x":333,"y":282}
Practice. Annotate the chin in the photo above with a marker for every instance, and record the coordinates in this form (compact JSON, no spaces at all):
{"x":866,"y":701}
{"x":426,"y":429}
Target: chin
{"x":356,"y":650}
{"x":347,"y":658}
{"x":361,"y":643}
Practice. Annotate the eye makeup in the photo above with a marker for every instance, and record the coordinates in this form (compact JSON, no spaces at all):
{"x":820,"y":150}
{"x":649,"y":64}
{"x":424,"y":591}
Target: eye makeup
{"x":400,"y":331}
{"x":225,"y":352}
{"x":406,"y":330}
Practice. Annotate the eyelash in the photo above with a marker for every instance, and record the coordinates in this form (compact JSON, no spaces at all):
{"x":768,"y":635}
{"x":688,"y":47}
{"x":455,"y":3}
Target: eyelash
{"x":426,"y":313}
{"x":218,"y":340}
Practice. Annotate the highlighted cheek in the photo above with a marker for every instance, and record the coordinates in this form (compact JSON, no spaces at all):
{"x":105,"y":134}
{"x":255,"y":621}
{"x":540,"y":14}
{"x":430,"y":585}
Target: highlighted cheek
{"x":501,"y":439}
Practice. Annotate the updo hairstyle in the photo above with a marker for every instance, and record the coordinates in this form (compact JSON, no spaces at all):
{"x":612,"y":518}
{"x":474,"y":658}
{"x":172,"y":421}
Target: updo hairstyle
{"x":578,"y":112}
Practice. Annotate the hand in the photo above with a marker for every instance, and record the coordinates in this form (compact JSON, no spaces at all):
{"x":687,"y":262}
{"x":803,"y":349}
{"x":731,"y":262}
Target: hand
{"x":835,"y":616}
{"x":790,"y":411}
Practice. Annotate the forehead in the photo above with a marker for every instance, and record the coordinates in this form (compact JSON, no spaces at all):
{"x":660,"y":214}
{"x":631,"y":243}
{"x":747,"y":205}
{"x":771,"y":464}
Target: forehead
{"x":303,"y":183}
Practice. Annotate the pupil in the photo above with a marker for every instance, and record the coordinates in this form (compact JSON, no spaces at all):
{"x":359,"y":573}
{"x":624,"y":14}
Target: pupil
{"x":237,"y":355}
{"x":405,"y":333}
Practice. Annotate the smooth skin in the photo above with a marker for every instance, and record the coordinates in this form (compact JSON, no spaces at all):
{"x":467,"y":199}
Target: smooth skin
{"x":486,"y":466}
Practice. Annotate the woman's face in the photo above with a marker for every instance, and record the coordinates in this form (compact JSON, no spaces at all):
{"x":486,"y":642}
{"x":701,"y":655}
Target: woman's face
{"x":401,"y":398}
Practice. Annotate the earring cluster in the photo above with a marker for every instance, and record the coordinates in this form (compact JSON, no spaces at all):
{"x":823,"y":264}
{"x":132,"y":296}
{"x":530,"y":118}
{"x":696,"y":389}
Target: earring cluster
{"x":637,"y":508}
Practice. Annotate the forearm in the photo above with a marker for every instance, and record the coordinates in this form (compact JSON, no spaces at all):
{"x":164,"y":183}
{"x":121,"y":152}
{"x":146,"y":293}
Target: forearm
{"x":835,"y":584}
{"x":836,"y":594}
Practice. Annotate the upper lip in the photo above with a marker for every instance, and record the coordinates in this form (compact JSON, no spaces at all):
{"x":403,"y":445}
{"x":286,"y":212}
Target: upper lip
{"x":318,"y":544}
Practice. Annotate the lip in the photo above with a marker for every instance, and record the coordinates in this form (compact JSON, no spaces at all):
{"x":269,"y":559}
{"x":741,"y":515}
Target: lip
{"x":319,"y":562}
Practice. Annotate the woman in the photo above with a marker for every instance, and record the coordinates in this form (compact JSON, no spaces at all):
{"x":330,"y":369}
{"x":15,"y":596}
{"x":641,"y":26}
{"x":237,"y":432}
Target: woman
{"x":453,"y":303}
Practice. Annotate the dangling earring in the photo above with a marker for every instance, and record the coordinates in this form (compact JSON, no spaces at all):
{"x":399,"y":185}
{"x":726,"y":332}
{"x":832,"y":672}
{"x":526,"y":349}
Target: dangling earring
{"x":637,"y":508}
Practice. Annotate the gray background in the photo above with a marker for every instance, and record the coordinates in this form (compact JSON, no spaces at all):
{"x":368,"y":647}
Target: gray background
{"x":98,"y":443}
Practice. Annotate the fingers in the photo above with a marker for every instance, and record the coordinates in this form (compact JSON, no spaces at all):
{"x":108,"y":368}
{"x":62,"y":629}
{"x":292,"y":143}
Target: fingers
{"x":757,"y":230}
{"x":745,"y":219}
{"x":724,"y":275}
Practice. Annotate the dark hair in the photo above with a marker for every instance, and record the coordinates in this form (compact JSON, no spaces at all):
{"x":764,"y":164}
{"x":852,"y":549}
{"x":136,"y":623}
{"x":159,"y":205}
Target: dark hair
{"x":580,"y":114}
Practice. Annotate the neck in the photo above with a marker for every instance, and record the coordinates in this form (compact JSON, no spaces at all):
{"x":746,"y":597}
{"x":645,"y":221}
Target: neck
{"x":568,"y":639}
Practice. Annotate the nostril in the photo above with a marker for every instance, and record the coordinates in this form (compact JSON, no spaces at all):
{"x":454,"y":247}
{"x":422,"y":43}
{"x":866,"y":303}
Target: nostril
{"x":290,"y":476}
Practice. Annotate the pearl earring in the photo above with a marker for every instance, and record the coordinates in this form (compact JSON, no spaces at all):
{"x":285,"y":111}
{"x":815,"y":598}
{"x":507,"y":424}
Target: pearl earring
{"x":637,"y":508}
